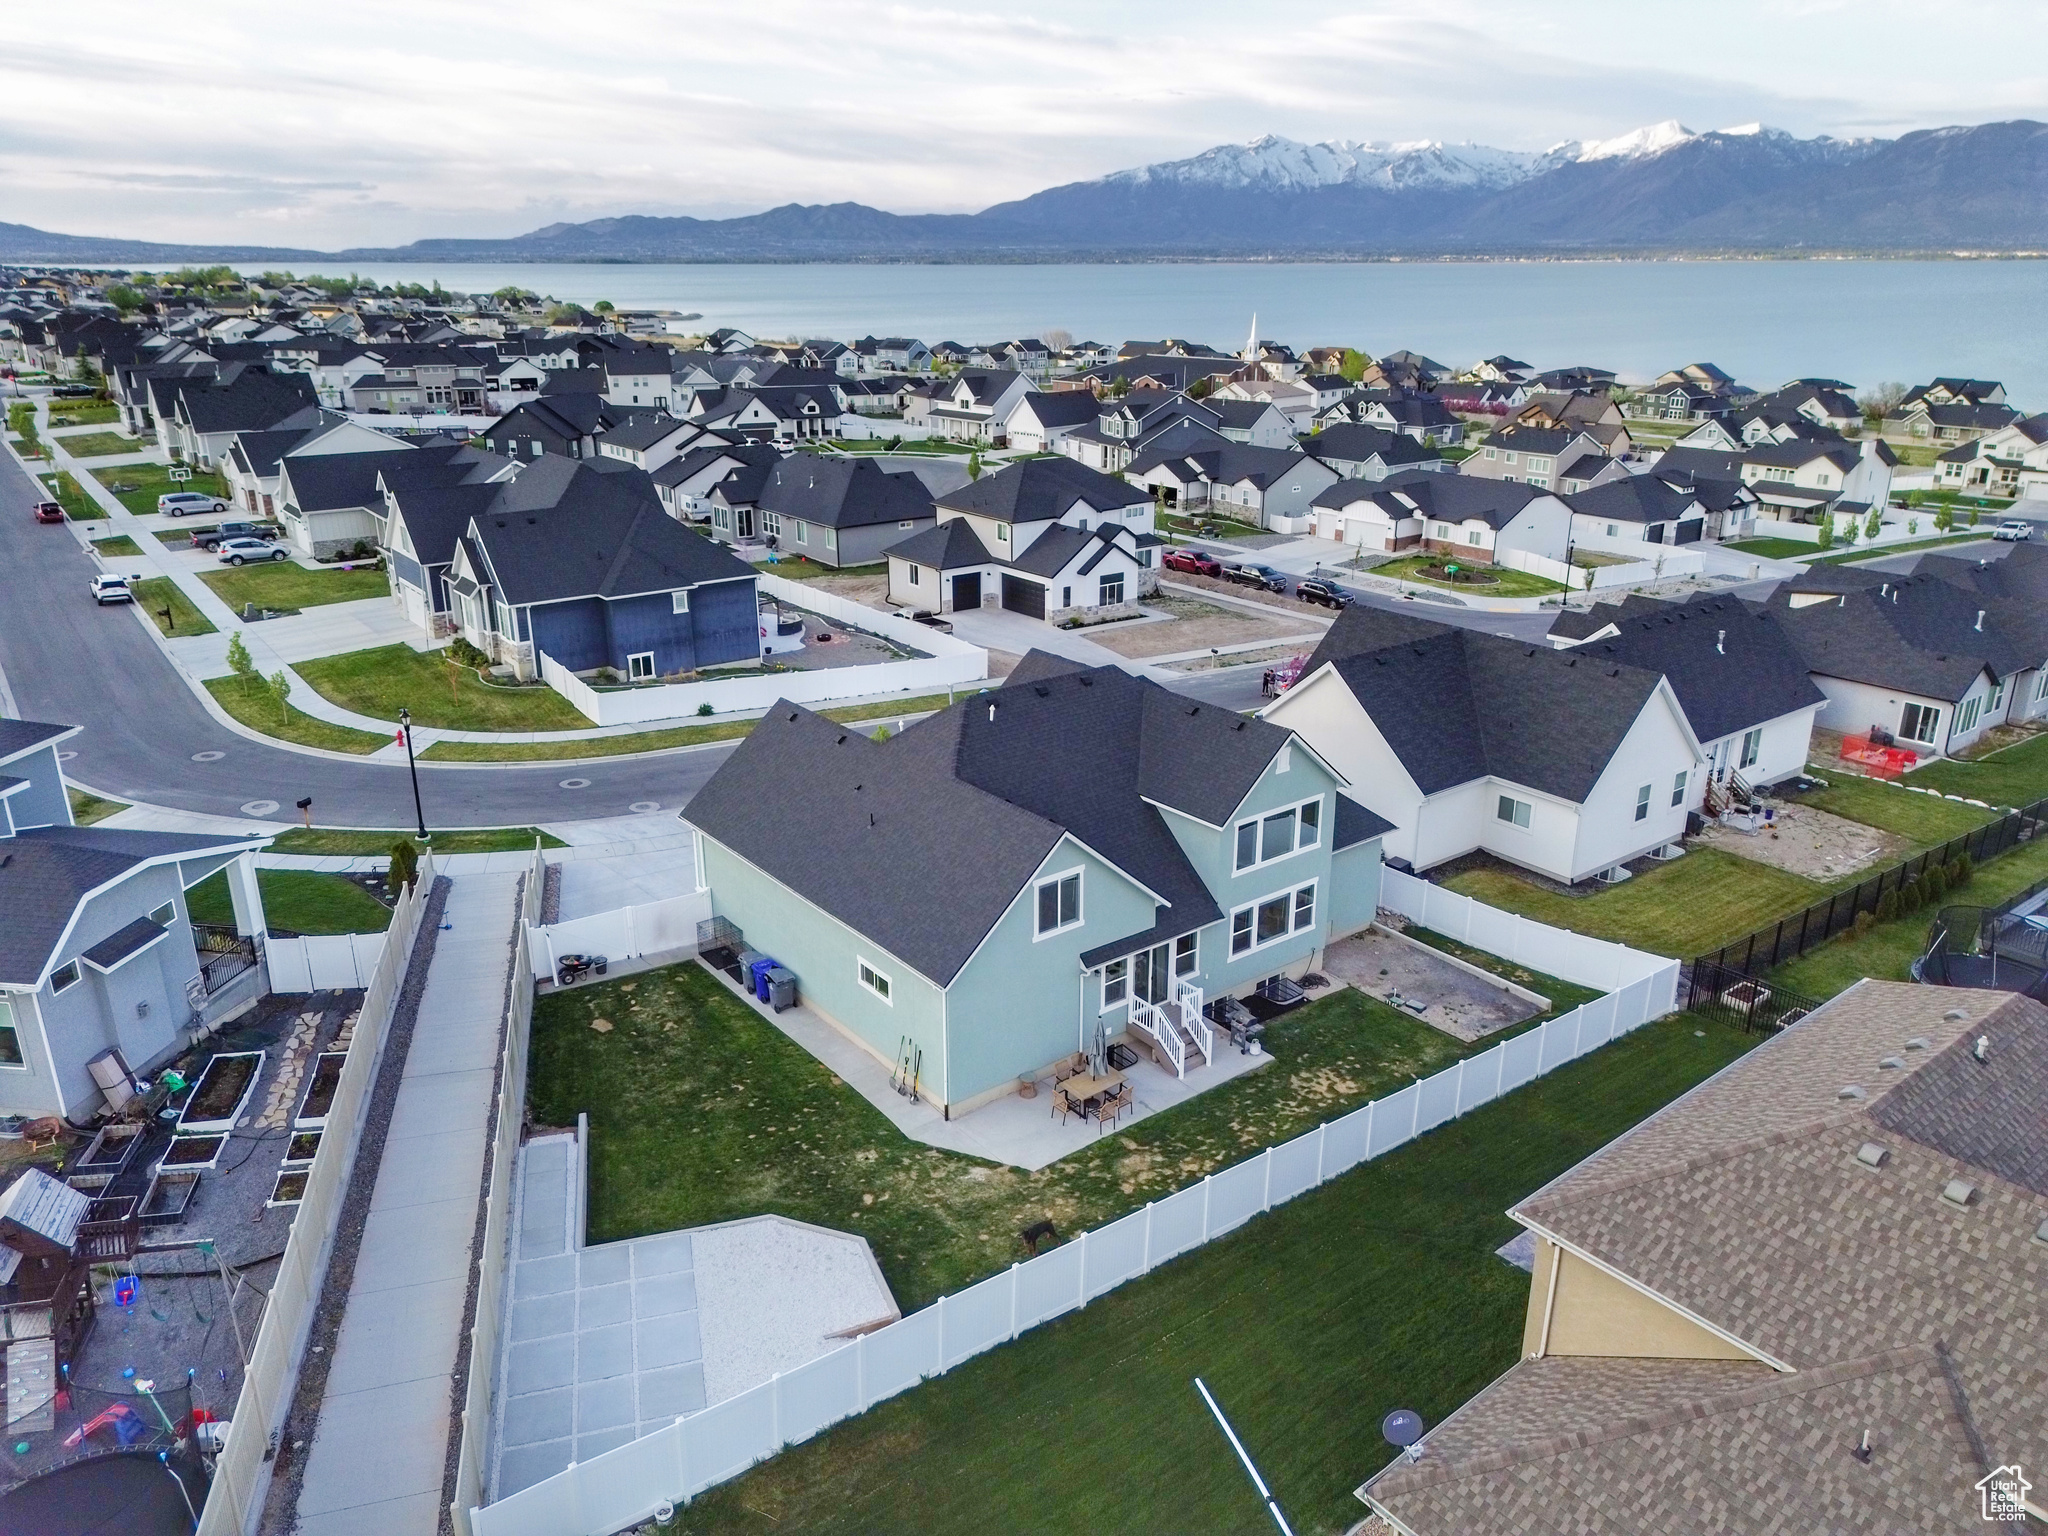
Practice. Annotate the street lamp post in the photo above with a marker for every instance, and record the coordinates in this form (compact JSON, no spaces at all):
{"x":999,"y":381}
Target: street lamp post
{"x":419,"y":815}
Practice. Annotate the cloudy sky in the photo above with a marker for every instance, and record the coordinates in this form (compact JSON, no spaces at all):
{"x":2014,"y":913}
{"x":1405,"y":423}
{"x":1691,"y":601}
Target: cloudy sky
{"x":274,"y":122}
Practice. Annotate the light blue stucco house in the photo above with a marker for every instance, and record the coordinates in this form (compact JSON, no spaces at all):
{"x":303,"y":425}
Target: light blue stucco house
{"x":1079,"y":846}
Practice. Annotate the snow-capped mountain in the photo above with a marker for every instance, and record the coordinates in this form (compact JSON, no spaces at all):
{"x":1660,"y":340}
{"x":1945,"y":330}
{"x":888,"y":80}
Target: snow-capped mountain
{"x":1275,"y":164}
{"x":1653,"y":140}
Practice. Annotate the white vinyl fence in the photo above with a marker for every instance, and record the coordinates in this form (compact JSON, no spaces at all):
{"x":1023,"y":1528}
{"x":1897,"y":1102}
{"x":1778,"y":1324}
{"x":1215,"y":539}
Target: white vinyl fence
{"x":472,"y":1454}
{"x":1652,"y":562}
{"x":623,"y":1486}
{"x":624,"y":933}
{"x":1553,"y":951}
{"x":242,"y":1473}
{"x":946,"y":663}
{"x":316,"y":962}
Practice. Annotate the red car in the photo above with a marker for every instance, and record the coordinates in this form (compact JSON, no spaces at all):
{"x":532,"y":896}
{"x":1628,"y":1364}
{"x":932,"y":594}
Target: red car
{"x":49,"y":512}
{"x":1193,"y":561}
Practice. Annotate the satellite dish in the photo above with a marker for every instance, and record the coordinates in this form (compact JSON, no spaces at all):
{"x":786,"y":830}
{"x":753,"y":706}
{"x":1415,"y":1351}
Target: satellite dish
{"x":1402,"y":1427}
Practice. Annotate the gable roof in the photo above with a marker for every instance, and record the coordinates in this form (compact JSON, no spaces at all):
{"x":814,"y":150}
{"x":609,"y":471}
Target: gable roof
{"x":1040,"y":490}
{"x":1456,"y":705}
{"x":843,"y":493}
{"x":1646,"y":498}
{"x":1919,"y":634}
{"x":1357,"y":442}
{"x":1429,"y":494}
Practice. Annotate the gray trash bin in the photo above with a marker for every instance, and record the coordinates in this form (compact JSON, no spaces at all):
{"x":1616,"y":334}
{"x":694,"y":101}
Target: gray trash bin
{"x":781,"y":989}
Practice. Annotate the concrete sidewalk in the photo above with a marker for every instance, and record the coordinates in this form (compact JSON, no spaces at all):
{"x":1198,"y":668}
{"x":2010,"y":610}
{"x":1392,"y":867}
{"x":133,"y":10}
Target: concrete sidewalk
{"x":381,"y":1445}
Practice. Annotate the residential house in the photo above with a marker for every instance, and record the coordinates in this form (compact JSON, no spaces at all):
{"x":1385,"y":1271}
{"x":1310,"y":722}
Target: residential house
{"x":1545,"y":457}
{"x":1404,"y":371}
{"x":1360,"y":452}
{"x":893,"y":354}
{"x":1577,"y":378}
{"x":1500,"y":369}
{"x":1952,"y":410}
{"x":1124,"y":428}
{"x":250,"y":466}
{"x":1797,"y":482}
{"x":581,"y":564}
{"x":1594,"y":414}
{"x":1422,"y":417}
{"x":1260,"y":423}
{"x":1638,"y":509}
{"x":1824,"y":402}
{"x":429,"y":497}
{"x":1041,"y":421}
{"x":833,"y":511}
{"x":973,"y":406}
{"x":780,"y":413}
{"x":735,"y":470}
{"x":1466,"y":741}
{"x":99,"y":957}
{"x":648,"y":442}
{"x":637,"y":373}
{"x":1294,"y":403}
{"x":1134,"y":855}
{"x":332,"y":502}
{"x":1746,"y":1310}
{"x":1472,"y":520}
{"x":1680,"y":400}
{"x":566,"y":424}
{"x":205,"y":414}
{"x":2012,"y":461}
{"x":1271,"y":488}
{"x":1740,"y":680}
{"x":1047,"y":538}
{"x":413,"y":380}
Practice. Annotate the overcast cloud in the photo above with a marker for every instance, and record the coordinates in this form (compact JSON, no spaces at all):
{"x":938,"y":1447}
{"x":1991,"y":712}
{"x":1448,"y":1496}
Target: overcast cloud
{"x":258,"y":122}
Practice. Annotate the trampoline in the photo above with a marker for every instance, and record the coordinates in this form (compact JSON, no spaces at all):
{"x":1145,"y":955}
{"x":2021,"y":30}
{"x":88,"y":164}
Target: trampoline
{"x":1986,"y":947}
{"x":127,"y":1492}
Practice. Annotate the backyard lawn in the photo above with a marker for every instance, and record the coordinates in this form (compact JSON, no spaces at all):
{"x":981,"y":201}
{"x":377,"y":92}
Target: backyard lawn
{"x":702,"y":1111}
{"x":357,"y":843}
{"x":1379,"y":1290}
{"x":87,"y":807}
{"x":98,"y":445}
{"x":1498,"y":580}
{"x":2015,"y":776}
{"x":251,"y":703}
{"x":1681,"y":909}
{"x":1924,"y":819}
{"x":146,"y":482}
{"x":655,"y":741}
{"x":790,"y":568}
{"x":158,"y":595}
{"x":285,"y":584}
{"x":296,"y":901}
{"x":120,"y":546}
{"x":381,"y":681}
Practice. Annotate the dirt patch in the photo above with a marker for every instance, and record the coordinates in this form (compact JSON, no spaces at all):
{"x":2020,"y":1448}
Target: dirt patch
{"x":871,"y":590}
{"x":1191,"y":625}
{"x":1452,"y":1000}
{"x":1810,"y":842}
{"x":1316,"y":618}
{"x":1263,"y":655}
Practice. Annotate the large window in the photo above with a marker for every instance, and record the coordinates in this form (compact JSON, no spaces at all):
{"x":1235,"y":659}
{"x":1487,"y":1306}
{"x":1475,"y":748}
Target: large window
{"x":1276,"y":834}
{"x":640,"y":666}
{"x":1918,"y":722}
{"x":10,"y":1038}
{"x":1967,"y":720}
{"x":1272,"y":919}
{"x":1112,"y":589}
{"x":1512,"y":811}
{"x":875,"y":981}
{"x":1059,"y":903}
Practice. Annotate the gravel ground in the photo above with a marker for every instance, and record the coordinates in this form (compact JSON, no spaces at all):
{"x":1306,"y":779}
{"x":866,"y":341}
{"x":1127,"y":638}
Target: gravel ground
{"x":280,"y":1509}
{"x":1458,"y":1003}
{"x":1810,"y":842}
{"x":1194,"y":624}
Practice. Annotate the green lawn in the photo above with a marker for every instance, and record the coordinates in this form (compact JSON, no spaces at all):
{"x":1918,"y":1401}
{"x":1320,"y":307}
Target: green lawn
{"x":654,"y":741}
{"x":146,"y":482}
{"x":283,"y":584}
{"x":381,"y":681}
{"x":98,"y":445}
{"x":791,"y":568}
{"x":1888,"y":950}
{"x":702,"y":1111}
{"x":2015,"y":776}
{"x":357,"y":843}
{"x":118,"y":547}
{"x":1179,"y":527}
{"x":88,"y":414}
{"x":248,"y":701}
{"x":78,"y":506}
{"x":87,"y":807}
{"x":294,"y":900}
{"x":1853,"y":555}
{"x":1775,"y":549}
{"x":1501,"y":582}
{"x":1922,"y":818}
{"x":157,"y":594}
{"x":1681,"y":909}
{"x":1310,"y":1324}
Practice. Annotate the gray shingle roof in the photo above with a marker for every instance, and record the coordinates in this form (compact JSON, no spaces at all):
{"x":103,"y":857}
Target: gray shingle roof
{"x":843,"y":493}
{"x":124,"y":942}
{"x":1918,"y":634}
{"x":19,"y":736}
{"x":1037,"y":490}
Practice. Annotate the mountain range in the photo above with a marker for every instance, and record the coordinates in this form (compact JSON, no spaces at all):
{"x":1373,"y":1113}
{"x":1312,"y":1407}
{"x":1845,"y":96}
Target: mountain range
{"x":1660,"y":189}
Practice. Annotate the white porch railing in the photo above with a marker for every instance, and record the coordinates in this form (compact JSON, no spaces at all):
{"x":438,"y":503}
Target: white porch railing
{"x":1149,"y":1018}
{"x":1189,"y":996}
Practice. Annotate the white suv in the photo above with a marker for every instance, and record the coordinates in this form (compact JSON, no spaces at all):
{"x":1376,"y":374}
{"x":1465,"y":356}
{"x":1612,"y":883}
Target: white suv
{"x":108,"y":588}
{"x":240,"y":551}
{"x":178,"y":503}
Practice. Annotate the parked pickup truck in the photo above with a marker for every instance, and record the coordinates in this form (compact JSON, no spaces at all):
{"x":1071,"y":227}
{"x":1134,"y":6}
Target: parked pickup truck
{"x":2013,"y":529}
{"x":213,"y":538}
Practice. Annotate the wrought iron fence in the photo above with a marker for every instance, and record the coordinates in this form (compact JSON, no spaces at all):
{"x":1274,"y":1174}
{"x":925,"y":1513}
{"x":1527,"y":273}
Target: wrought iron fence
{"x":1787,"y":939}
{"x":1748,"y":1002}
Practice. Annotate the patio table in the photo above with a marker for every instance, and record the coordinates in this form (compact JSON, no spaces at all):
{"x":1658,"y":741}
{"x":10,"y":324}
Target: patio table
{"x":1086,"y":1088}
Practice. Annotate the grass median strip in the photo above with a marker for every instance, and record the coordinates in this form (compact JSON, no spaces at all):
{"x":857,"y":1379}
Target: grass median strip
{"x":1491,"y":580}
{"x":252,"y":704}
{"x":1379,"y":1290}
{"x":355,"y":842}
{"x":119,"y":547}
{"x":88,"y":808}
{"x":285,"y":584}
{"x":655,"y":741}
{"x":169,"y":609}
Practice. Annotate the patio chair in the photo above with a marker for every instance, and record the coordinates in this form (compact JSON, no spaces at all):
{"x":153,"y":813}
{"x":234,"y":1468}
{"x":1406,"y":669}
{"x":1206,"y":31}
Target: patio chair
{"x":1063,"y":1104}
{"x":1073,"y":1066}
{"x":1112,"y":1105}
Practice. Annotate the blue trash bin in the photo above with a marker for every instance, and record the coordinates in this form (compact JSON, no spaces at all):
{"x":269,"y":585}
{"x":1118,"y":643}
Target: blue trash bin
{"x":757,"y":978}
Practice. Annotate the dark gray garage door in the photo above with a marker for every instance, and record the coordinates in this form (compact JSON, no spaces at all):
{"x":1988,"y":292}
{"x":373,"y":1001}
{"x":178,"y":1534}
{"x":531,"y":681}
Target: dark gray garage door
{"x":967,"y":591}
{"x":1021,"y":596}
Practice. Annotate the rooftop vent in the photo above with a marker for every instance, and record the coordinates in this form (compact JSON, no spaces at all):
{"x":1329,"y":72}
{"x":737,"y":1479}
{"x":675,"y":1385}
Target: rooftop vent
{"x":1955,"y":1013}
{"x":1958,"y":1191}
{"x":1851,"y":1091}
{"x":1893,"y":1063}
{"x":1982,"y":1049}
{"x":2041,"y":1233}
{"x":1917,"y":1043}
{"x":1720,"y":642}
{"x":1980,"y":619}
{"x":1872,"y":1155}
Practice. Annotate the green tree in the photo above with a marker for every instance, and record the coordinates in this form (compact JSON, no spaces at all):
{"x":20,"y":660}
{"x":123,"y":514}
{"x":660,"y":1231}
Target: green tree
{"x":1851,"y":531}
{"x":239,"y":661}
{"x":1827,"y":532}
{"x":1873,"y":525}
{"x":405,"y":867}
{"x":1354,"y":365}
{"x":604,"y":307}
{"x":1912,"y":527}
{"x":974,"y":465}
{"x":281,"y":690}
{"x":124,"y":298}
{"x":1201,"y":389}
{"x":1975,"y":513}
{"x":1944,"y":519}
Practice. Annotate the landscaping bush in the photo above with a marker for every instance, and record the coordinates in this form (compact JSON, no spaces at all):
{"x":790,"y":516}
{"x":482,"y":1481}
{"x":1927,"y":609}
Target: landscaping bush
{"x":1912,"y":896}
{"x":1959,"y":871}
{"x":706,"y":709}
{"x":1888,"y":906}
{"x":1865,"y":921}
{"x":1935,"y":884}
{"x":405,"y":867}
{"x":467,"y":655}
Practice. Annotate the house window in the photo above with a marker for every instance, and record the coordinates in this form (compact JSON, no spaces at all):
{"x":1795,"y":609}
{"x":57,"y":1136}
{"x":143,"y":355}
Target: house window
{"x":831,"y":539}
{"x":1066,"y":597}
{"x":1112,"y":589}
{"x":1116,"y":982}
{"x":916,"y":575}
{"x":1967,"y":720}
{"x":640,"y":666}
{"x":1643,"y":803}
{"x":679,"y":602}
{"x":1678,"y":790}
{"x":1918,"y":722}
{"x":1187,"y":955}
{"x":1752,"y":747}
{"x":1002,"y":533}
{"x":65,"y":975}
{"x":10,"y":1040}
{"x":771,"y":524}
{"x":906,"y":523}
{"x":1492,"y":454}
{"x":1997,"y":698}
{"x":803,"y":532}
{"x":1304,"y":908}
{"x":875,"y":981}
{"x":1272,"y":919}
{"x":1059,"y":903}
{"x":1278,"y":834}
{"x":164,"y":915}
{"x":1512,"y":811}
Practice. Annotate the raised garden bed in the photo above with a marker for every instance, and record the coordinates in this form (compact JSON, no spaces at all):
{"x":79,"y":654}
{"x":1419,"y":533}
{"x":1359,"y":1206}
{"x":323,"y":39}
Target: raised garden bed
{"x":105,"y":1157}
{"x":110,"y":1208}
{"x":321,"y":1084}
{"x":168,"y":1198}
{"x":192,"y":1153}
{"x":300,"y":1151}
{"x":290,"y":1188}
{"x":222,"y":1092}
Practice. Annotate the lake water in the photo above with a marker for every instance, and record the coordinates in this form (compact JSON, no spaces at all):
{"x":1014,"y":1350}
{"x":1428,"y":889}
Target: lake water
{"x":1764,"y":321}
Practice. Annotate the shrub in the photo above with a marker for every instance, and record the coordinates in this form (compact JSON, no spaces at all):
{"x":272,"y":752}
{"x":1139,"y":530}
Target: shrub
{"x":1959,"y":871}
{"x":1935,"y":883}
{"x":467,"y":655}
{"x":1888,"y":906}
{"x":405,"y":866}
{"x":706,"y":709}
{"x":1865,"y":921}
{"x":1912,"y":896}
